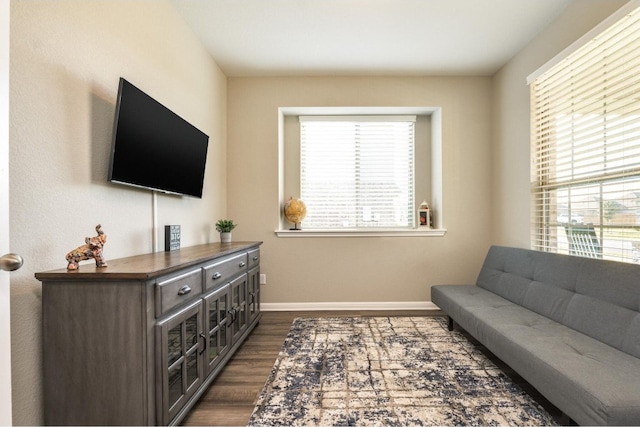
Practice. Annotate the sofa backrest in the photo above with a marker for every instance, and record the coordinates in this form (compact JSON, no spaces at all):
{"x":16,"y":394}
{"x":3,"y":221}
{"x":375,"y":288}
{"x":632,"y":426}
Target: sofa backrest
{"x":599,"y":298}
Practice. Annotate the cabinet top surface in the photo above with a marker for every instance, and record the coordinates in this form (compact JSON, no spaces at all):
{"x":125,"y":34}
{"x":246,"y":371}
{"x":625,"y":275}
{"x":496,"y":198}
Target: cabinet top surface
{"x":147,"y":266}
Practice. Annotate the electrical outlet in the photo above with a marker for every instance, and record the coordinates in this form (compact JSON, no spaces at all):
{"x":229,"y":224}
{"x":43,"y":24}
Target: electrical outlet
{"x":263,"y":279}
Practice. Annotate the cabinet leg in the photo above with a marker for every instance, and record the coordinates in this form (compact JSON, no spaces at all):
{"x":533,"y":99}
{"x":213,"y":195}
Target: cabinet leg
{"x":449,"y":323}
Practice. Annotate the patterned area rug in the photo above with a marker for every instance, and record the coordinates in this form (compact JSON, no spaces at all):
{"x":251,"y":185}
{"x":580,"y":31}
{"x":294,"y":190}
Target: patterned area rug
{"x":388,"y":371}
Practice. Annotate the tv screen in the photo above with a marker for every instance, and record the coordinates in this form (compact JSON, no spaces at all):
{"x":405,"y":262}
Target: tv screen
{"x":155,"y":148}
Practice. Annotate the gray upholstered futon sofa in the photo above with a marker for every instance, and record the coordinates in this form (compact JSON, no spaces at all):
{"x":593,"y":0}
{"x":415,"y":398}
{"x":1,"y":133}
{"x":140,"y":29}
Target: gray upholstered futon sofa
{"x":569,"y":326}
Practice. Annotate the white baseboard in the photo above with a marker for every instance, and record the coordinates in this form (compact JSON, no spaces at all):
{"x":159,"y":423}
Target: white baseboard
{"x":344,"y":306}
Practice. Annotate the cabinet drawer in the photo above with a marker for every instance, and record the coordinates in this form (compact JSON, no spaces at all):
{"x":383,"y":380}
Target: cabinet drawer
{"x":177,"y":290}
{"x":224,"y":269}
{"x":254,"y":258}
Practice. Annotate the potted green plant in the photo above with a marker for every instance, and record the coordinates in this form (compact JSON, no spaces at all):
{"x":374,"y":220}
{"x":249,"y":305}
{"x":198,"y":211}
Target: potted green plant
{"x":224,"y":227}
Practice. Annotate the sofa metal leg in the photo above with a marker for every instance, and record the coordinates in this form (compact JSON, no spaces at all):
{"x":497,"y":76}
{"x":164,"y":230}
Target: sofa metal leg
{"x":449,"y":323}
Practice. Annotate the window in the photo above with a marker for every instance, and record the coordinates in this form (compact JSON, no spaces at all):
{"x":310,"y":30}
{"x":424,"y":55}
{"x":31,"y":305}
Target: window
{"x":585,"y":121}
{"x":357,"y":171}
{"x":391,"y":161}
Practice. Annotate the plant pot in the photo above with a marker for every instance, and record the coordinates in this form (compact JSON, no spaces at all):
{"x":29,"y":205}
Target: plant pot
{"x":225,"y":237}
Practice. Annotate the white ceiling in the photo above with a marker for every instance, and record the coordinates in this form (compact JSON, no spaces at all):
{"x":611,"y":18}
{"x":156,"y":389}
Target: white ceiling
{"x":366,"y":37}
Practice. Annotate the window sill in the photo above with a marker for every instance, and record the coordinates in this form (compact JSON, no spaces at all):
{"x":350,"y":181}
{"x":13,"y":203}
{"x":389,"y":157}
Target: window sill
{"x":416,"y":232}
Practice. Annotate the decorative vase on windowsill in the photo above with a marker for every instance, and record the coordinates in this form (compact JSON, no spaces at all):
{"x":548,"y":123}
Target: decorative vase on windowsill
{"x":224,"y":226}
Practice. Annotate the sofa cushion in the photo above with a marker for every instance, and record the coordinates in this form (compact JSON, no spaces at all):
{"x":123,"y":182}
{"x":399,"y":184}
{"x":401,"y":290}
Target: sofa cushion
{"x":601,"y":320}
{"x":507,"y":276}
{"x":548,"y":300}
{"x":558,"y":270}
{"x":596,"y":297}
{"x":615,"y":282}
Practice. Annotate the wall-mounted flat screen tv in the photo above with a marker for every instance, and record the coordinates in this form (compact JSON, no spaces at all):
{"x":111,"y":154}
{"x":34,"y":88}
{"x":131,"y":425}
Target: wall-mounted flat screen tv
{"x":154,"y":148}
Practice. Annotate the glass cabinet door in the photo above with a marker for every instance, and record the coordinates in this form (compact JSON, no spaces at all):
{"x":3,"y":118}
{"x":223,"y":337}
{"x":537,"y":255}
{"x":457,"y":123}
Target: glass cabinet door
{"x":253,"y":298}
{"x":238,"y":309}
{"x":180,"y":367}
{"x":217,"y":321}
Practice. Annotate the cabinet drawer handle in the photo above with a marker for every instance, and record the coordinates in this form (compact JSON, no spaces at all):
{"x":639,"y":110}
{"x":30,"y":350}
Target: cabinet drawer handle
{"x":242,"y":264}
{"x":216,"y":275}
{"x":255,"y":257}
{"x":184,"y":290}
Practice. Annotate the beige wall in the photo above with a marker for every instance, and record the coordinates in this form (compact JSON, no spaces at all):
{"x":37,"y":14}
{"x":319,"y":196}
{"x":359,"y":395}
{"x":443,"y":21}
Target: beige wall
{"x":66,"y":58}
{"x":361,"y":269}
{"x":510,"y":150}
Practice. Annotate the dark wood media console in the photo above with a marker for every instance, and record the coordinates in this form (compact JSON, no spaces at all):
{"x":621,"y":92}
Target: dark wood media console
{"x":138,"y":342}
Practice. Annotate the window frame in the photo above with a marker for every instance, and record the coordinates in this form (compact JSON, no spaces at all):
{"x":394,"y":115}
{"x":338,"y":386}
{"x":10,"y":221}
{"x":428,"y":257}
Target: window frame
{"x":435,"y":178}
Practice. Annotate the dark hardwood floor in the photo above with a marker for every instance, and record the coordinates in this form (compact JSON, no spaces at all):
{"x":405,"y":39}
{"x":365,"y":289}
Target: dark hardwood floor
{"x":231,"y":398}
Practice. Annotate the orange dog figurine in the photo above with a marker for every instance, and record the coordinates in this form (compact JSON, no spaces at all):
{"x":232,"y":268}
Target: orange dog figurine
{"x":92,"y":249}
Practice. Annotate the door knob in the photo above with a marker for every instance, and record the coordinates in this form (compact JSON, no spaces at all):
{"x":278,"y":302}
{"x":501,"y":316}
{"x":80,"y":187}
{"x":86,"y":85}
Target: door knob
{"x":11,"y":262}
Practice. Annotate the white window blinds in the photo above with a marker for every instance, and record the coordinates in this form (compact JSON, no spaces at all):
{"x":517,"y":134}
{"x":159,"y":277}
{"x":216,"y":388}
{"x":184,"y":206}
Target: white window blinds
{"x":357,"y":171}
{"x":585,"y":121}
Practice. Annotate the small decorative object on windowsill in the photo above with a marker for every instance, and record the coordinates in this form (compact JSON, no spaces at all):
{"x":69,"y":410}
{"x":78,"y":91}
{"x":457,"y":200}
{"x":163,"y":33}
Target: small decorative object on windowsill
{"x":294,"y":211}
{"x":224,"y":226}
{"x":171,"y":237}
{"x":91,"y":249}
{"x":424,"y":215}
